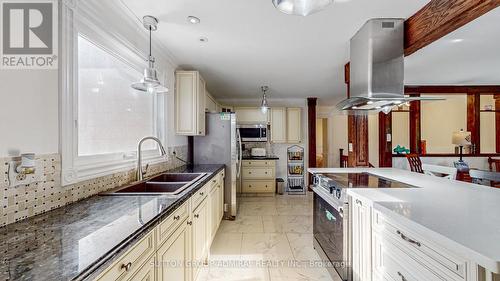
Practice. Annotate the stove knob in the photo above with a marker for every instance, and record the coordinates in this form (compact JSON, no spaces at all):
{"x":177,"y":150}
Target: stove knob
{"x":338,"y":193}
{"x":332,"y":188}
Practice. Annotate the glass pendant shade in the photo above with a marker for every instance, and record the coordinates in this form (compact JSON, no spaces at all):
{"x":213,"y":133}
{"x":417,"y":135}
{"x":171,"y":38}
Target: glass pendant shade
{"x":301,"y":7}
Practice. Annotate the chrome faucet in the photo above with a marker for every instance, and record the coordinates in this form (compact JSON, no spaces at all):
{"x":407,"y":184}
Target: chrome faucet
{"x":140,"y":172}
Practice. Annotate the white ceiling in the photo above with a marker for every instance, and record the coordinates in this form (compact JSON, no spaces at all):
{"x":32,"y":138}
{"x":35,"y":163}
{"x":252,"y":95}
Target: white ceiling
{"x":251,"y":44}
{"x":467,"y":56}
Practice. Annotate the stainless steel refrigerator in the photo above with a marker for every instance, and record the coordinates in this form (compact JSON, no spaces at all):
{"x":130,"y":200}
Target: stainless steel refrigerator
{"x":222,"y":145}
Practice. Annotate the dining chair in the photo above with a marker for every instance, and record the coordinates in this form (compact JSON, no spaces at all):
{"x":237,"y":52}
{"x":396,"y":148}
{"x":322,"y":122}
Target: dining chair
{"x":415,"y":163}
{"x":440,"y":171}
{"x":485,"y":177}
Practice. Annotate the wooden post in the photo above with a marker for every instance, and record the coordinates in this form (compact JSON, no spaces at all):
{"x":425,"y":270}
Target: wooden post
{"x":384,"y":146}
{"x":358,"y":140}
{"x":473,"y":120}
{"x":415,"y":130}
{"x":497,"y":122}
{"x":311,"y":121}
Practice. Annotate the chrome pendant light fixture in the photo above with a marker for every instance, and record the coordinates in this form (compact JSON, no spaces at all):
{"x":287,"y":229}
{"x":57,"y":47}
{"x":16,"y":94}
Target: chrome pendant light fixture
{"x":301,"y":7}
{"x":264,"y":106}
{"x":150,"y":83}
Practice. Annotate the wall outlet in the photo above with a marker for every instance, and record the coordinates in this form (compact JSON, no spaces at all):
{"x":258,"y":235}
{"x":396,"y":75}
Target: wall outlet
{"x":16,"y":179}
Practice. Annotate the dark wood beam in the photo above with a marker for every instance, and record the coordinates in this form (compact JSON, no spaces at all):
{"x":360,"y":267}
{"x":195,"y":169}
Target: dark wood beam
{"x":473,"y":121}
{"x":384,"y":146}
{"x":311,"y":121}
{"x":415,"y":127}
{"x":440,"y":17}
{"x":347,"y":78}
{"x":450,"y":89}
{"x":497,"y":122}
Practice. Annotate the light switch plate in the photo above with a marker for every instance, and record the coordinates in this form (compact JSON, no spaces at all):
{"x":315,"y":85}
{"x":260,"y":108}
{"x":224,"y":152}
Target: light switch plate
{"x":350,"y":147}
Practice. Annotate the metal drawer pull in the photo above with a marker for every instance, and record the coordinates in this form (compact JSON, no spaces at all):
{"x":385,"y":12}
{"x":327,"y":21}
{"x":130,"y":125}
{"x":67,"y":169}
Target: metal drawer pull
{"x":201,"y":194}
{"x":177,"y":217}
{"x":126,"y":266}
{"x":403,"y":278}
{"x":359,"y":202}
{"x":190,"y":222}
{"x":197,"y":216}
{"x":407,"y":239}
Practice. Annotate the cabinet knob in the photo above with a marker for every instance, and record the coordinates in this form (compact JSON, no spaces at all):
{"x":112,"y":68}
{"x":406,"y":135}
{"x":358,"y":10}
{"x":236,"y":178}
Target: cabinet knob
{"x":197,"y":216}
{"x":249,"y":185}
{"x":126,"y":266}
{"x":266,"y":185}
{"x":403,"y":278}
{"x":177,"y":217}
{"x":249,"y":173}
{"x":359,"y":202}
{"x":201,"y":194}
{"x":266,"y":173}
{"x":190,"y":222}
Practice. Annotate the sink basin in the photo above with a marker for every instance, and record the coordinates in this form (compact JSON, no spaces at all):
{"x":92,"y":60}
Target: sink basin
{"x":176,"y":177}
{"x":164,"y":184}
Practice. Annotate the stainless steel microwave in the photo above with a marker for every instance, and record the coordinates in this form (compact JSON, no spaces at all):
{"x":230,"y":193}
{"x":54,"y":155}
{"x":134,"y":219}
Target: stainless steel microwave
{"x":254,"y":132}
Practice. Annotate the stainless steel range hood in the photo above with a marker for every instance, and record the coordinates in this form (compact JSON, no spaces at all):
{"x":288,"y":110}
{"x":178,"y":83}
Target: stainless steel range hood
{"x":377,"y":67}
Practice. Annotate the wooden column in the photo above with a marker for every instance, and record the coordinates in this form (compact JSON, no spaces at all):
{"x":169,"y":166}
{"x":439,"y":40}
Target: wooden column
{"x":358,"y":141}
{"x":473,"y":120}
{"x":384,"y":146}
{"x":311,"y":127}
{"x":415,"y":130}
{"x":347,"y":78}
{"x":497,"y":122}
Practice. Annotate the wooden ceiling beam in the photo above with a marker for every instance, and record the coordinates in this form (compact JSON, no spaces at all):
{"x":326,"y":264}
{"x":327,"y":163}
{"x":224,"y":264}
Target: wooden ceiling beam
{"x":451,"y":89}
{"x":440,"y":17}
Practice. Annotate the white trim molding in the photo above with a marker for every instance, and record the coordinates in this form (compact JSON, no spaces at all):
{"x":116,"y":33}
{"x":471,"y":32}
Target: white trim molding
{"x":79,"y":17}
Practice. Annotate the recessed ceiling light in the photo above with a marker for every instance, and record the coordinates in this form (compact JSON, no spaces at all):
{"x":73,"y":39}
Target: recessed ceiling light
{"x":193,"y":20}
{"x":457,"y":40}
{"x":203,"y":39}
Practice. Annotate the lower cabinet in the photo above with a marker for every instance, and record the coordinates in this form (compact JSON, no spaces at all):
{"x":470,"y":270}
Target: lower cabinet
{"x":174,"y":254}
{"x":178,"y":246}
{"x":361,"y":240}
{"x":201,"y":239}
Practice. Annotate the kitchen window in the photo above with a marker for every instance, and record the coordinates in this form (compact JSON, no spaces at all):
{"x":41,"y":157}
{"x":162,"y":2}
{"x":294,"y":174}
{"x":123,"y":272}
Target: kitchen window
{"x":103,"y":117}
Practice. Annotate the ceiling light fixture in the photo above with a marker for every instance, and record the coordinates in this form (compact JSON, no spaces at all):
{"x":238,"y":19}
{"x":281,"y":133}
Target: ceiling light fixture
{"x":193,"y":20}
{"x":149,"y":82}
{"x":301,"y":7}
{"x":458,"y":40}
{"x":264,"y":105}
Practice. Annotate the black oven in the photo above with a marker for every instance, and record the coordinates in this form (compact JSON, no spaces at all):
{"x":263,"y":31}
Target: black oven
{"x":256,"y":132}
{"x":331,"y":236}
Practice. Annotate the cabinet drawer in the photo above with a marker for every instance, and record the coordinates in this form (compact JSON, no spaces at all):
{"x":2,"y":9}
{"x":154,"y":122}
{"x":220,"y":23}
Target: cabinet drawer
{"x":420,"y":248}
{"x":258,"y":163}
{"x":258,"y":173}
{"x":125,"y":267}
{"x":201,"y":194}
{"x":168,"y":225}
{"x":258,"y":186}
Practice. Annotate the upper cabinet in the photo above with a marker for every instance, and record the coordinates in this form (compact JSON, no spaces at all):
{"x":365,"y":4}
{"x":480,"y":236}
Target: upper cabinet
{"x":286,"y":125}
{"x":278,"y":124}
{"x":251,"y":115}
{"x":293,"y":126}
{"x":211,"y":104}
{"x":190,"y":104}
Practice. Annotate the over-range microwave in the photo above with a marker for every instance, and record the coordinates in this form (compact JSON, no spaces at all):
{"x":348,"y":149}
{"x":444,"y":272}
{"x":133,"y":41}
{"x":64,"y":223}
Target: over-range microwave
{"x":253,"y":132}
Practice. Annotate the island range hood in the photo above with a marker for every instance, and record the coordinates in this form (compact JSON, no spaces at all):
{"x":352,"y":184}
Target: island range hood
{"x":377,"y":68}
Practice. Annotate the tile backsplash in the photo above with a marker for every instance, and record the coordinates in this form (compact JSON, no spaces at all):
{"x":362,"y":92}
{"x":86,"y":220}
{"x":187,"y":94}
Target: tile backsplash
{"x":24,"y":201}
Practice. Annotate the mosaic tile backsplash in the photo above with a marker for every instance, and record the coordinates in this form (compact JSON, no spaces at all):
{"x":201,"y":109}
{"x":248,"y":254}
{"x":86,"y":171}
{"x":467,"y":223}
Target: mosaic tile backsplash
{"x":24,"y":201}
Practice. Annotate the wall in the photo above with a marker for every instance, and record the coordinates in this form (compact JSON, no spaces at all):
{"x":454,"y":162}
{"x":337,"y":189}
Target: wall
{"x":29,"y":110}
{"x":401,"y":129}
{"x":439,"y":119}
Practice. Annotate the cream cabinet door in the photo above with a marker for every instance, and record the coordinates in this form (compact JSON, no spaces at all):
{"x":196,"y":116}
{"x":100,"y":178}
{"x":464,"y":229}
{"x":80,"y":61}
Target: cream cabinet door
{"x":210,"y":104}
{"x":146,"y":272}
{"x":220,"y":182}
{"x":278,"y":124}
{"x":200,"y":237}
{"x":214,"y":211}
{"x":294,"y":125}
{"x":361,"y":240}
{"x":189,"y":103}
{"x":251,"y":115}
{"x":173,"y":255}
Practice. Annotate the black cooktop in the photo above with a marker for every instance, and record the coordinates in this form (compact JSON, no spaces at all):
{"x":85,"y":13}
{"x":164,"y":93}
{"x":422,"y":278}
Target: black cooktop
{"x":365,"y":180}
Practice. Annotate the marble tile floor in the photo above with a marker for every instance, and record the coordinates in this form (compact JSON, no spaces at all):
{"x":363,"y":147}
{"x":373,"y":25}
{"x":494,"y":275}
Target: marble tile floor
{"x":270,"y":240}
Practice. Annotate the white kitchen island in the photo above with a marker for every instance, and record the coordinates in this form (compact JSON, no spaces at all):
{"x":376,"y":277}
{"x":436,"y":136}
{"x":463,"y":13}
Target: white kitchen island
{"x":442,"y":230}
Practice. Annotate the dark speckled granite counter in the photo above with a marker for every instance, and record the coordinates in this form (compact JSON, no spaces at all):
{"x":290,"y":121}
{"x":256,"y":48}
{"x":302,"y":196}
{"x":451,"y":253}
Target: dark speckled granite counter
{"x":260,"y":158}
{"x":78,"y":241}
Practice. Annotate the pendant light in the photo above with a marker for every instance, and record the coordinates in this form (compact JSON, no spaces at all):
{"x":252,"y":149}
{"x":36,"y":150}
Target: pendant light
{"x":301,"y":7}
{"x":264,"y":106}
{"x":150,"y":83}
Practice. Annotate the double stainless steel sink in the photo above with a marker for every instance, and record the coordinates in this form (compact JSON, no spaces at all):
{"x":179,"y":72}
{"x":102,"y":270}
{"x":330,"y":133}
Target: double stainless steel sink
{"x":164,"y":184}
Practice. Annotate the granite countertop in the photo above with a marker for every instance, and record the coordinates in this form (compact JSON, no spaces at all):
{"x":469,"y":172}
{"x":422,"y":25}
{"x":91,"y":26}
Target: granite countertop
{"x":269,"y":157}
{"x":78,"y":241}
{"x":462,"y":216}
